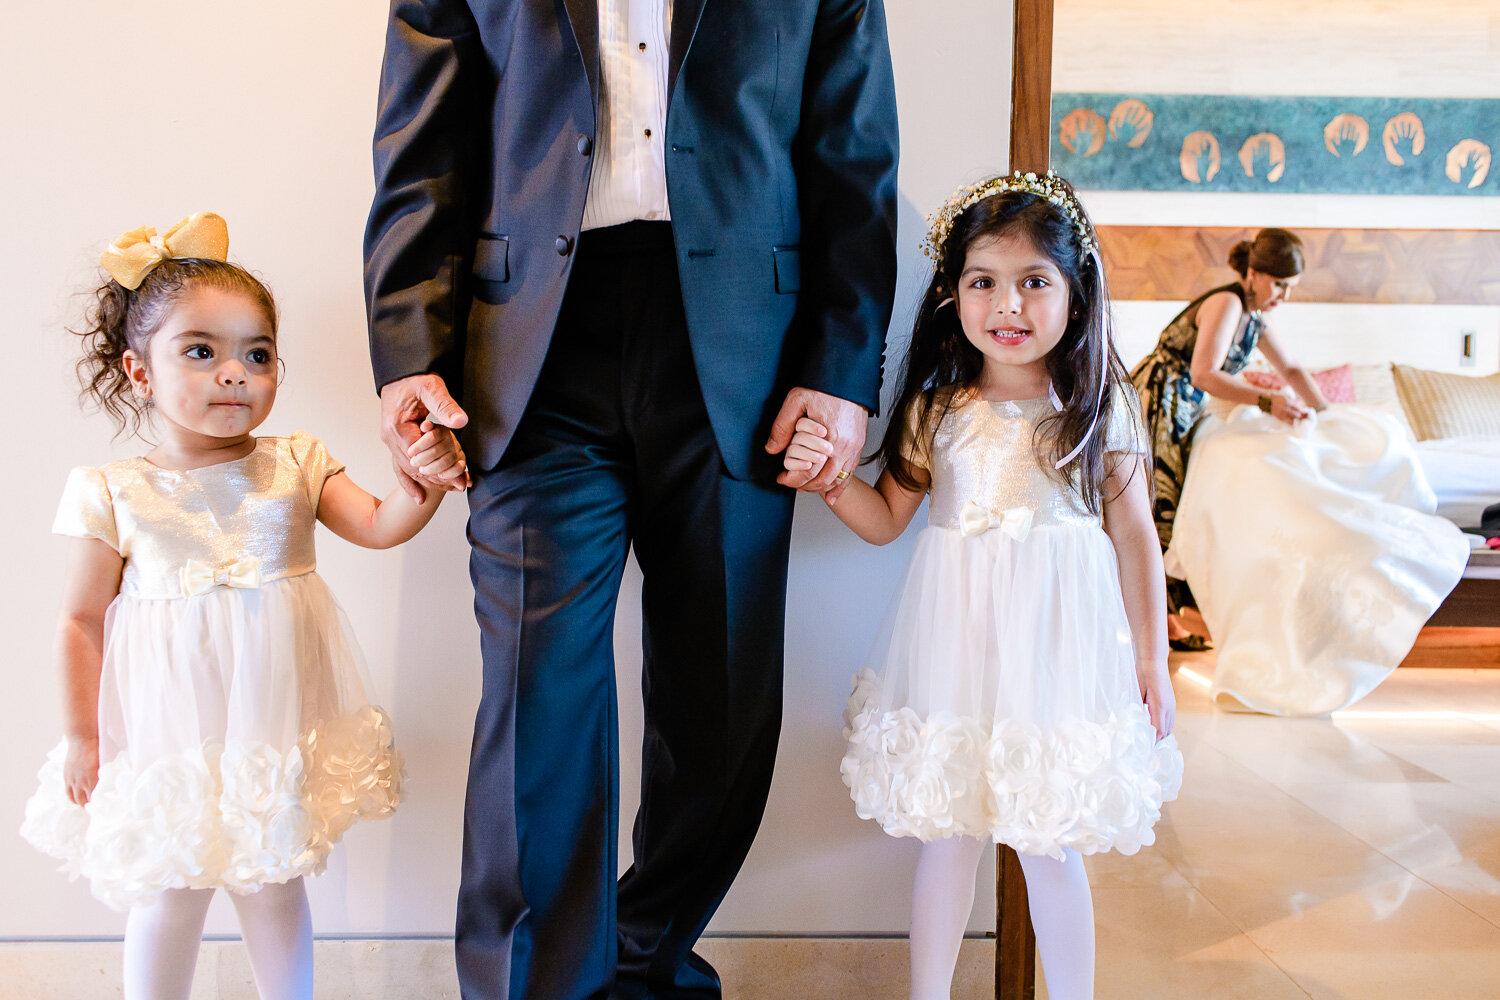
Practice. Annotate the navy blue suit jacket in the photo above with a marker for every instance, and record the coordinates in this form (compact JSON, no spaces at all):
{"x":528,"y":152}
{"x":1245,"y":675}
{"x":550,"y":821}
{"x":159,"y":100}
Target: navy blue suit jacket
{"x":781,"y":175}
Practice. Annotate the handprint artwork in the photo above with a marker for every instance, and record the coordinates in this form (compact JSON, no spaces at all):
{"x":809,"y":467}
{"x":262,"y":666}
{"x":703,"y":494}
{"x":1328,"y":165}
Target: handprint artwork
{"x":1403,"y":129}
{"x":1346,"y":133}
{"x":1130,"y":122}
{"x":1082,"y":131}
{"x":1468,"y":163}
{"x":1301,"y":145}
{"x":1200,"y":157}
{"x":1264,"y":155}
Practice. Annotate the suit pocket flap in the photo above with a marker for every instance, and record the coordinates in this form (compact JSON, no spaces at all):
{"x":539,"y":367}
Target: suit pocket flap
{"x":788,"y":262}
{"x":492,"y":258}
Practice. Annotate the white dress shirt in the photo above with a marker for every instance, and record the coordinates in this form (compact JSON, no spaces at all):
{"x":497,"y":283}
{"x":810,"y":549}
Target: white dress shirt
{"x":629,"y":178}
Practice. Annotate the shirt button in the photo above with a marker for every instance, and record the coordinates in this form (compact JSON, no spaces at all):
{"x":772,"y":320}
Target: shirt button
{"x":564,"y":246}
{"x":642,"y":46}
{"x":648,"y":133}
{"x":585,"y":145}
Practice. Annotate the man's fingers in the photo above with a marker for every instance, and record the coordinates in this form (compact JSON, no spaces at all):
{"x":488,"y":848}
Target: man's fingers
{"x":408,"y":483}
{"x":443,"y":407}
{"x":783,"y":426}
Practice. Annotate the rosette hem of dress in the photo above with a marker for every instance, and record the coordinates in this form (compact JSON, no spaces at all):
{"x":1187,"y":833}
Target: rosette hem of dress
{"x":235,"y":816}
{"x":1086,"y":785}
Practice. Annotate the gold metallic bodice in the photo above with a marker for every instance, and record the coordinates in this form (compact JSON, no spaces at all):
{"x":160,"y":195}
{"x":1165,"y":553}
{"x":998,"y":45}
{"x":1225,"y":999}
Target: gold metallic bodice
{"x":183,"y":531}
{"x":982,"y":456}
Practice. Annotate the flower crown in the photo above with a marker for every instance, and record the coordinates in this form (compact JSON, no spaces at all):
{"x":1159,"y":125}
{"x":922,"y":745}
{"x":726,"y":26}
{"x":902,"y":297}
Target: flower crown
{"x":1048,"y":186}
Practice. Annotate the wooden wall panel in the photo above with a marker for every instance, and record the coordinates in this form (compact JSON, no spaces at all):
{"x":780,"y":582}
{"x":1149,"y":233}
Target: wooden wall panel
{"x":1411,"y":266}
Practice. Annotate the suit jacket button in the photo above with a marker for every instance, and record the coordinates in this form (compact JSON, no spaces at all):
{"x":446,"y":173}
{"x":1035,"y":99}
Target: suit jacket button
{"x":585,"y":145}
{"x":564,"y":246}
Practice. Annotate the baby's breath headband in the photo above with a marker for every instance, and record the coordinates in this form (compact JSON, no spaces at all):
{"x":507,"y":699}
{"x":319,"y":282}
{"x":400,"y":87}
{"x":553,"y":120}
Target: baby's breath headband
{"x":1049,"y":186}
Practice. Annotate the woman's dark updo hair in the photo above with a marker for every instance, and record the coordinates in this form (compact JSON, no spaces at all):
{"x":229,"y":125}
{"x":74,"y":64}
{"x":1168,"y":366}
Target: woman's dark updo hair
{"x":1277,"y":252}
{"x":122,"y":319}
{"x":941,"y":356}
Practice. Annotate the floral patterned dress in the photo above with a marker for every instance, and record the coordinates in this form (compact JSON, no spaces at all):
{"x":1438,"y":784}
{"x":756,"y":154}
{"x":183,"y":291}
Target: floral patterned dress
{"x":236,"y":742}
{"x":1173,"y":408}
{"x":1003,"y":700}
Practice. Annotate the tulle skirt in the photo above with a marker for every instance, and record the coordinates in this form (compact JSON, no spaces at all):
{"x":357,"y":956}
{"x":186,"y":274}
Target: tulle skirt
{"x":1004,"y":701}
{"x":236,"y":745}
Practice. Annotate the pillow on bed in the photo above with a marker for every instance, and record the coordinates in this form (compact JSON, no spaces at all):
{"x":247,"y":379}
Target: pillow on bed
{"x":1336,"y":384}
{"x":1375,"y":388}
{"x":1442,"y":405}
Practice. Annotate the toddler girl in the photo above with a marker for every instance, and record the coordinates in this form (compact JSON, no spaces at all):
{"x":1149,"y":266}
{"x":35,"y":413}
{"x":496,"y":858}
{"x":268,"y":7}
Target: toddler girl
{"x":1023,"y":695}
{"x":218,"y":731}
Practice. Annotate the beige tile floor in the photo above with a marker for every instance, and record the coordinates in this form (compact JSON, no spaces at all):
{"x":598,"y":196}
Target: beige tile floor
{"x":1352,"y":858}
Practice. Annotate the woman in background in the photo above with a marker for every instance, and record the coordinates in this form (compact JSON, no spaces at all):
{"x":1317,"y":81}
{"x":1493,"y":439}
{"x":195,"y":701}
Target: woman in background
{"x":1200,"y":354}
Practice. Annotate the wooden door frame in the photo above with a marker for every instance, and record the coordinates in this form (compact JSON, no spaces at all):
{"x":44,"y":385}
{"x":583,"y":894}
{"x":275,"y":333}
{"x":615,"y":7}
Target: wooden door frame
{"x":1030,"y":150}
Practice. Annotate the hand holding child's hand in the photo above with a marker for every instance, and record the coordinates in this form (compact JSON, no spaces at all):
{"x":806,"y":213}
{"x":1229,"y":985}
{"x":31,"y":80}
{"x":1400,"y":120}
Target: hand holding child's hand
{"x":1156,"y":692}
{"x":81,"y":769}
{"x":843,"y":423}
{"x":404,"y":406}
{"x":436,"y":455}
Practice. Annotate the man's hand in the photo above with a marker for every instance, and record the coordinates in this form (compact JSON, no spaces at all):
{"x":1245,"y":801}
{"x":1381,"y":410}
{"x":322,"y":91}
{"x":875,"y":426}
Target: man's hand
{"x":844,"y":423}
{"x":404,"y":405}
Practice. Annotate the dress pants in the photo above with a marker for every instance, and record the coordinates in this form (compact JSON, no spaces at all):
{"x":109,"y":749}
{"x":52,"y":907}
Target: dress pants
{"x":615,"y":450}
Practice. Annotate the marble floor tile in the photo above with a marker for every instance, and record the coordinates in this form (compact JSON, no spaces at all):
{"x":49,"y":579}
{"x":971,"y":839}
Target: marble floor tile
{"x":1169,"y":941}
{"x":1411,"y":942}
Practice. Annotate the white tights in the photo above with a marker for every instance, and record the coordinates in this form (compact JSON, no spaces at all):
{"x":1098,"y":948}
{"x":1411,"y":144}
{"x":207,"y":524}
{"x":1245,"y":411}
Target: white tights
{"x":1062,"y":913}
{"x":161,"y":942}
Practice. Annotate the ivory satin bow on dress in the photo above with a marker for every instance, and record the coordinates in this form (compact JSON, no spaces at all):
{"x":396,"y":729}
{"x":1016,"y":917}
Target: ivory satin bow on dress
{"x":975,"y":519}
{"x":200,"y":578}
{"x":130,"y":258}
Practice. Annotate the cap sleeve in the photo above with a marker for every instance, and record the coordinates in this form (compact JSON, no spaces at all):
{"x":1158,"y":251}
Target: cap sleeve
{"x":916,"y":438}
{"x":1125,"y":430}
{"x":87,"y":509}
{"x":316,"y":464}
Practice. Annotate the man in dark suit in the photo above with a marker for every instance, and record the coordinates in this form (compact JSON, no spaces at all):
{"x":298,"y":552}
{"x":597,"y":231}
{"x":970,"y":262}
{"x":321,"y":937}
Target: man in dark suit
{"x":638,"y":239}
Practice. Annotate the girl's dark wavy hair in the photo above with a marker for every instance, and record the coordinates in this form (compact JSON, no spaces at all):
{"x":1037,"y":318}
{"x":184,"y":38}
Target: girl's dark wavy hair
{"x":939,"y":354}
{"x":122,"y":319}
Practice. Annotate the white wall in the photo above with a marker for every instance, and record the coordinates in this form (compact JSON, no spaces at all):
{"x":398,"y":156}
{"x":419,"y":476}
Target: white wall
{"x":1353,"y":48}
{"x":128,"y":114}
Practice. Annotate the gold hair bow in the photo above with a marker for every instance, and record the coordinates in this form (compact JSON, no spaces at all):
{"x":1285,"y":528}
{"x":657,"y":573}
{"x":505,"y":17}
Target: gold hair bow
{"x":131,"y":257}
{"x":199,"y":578}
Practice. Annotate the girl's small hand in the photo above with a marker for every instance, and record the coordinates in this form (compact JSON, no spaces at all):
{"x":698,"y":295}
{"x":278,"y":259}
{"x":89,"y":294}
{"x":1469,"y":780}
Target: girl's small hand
{"x":437,"y":455}
{"x":81,"y":769}
{"x":809,"y":448}
{"x":1156,"y":693}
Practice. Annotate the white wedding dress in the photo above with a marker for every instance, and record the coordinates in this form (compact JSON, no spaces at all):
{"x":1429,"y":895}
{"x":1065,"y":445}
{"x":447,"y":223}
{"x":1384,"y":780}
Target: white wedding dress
{"x":1313,"y":553}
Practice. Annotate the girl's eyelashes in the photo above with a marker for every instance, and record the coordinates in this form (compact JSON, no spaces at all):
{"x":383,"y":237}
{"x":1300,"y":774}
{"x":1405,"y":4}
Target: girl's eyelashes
{"x":202,"y":352}
{"x":1034,"y":281}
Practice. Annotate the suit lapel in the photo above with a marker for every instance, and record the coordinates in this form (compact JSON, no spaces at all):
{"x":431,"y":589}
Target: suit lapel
{"x":584,"y":17}
{"x":685,"y":16}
